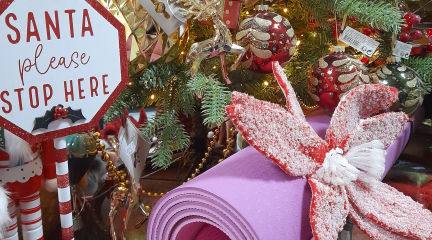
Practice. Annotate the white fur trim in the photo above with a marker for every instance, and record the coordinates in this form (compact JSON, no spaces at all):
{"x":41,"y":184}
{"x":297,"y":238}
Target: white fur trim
{"x":17,"y":148}
{"x":5,"y":218}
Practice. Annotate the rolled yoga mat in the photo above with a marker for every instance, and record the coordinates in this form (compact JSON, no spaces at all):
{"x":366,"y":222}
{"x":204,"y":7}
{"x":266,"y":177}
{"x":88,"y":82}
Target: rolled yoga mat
{"x":244,"y":197}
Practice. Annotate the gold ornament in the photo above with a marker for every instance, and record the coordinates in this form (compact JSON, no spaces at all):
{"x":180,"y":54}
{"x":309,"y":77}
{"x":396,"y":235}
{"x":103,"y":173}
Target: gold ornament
{"x":143,"y":35}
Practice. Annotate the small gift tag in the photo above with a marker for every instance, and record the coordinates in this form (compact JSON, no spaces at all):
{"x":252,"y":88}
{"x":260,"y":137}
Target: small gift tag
{"x":402,"y":50}
{"x":130,"y":149}
{"x":359,"y":41}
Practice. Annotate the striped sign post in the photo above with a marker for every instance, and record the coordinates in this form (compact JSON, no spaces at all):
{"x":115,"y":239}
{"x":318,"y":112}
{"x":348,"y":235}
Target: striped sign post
{"x":64,"y":194}
{"x":63,"y":64}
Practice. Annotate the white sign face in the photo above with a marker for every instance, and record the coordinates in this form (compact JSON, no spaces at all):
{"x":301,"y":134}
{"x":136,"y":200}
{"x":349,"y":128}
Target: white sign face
{"x":58,"y":52}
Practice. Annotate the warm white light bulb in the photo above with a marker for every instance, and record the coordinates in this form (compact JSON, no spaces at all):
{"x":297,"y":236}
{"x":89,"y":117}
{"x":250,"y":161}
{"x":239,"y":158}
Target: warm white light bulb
{"x":298,"y":43}
{"x":266,"y":83}
{"x":152,"y":96}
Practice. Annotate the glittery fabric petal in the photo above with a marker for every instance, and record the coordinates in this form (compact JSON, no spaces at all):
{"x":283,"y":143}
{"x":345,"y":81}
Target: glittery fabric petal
{"x":359,"y":103}
{"x":384,"y":127}
{"x":389,"y":208}
{"x":329,"y":209}
{"x":299,"y":150}
{"x":293,"y":105}
{"x":371,"y":229}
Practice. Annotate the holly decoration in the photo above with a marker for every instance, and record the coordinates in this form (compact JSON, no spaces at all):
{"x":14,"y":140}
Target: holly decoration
{"x":404,"y":79}
{"x":333,"y":75}
{"x":266,"y":37}
{"x":57,"y":113}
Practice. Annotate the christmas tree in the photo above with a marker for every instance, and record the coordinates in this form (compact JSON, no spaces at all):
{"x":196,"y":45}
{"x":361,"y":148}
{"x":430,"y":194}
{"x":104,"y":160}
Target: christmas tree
{"x":160,"y":74}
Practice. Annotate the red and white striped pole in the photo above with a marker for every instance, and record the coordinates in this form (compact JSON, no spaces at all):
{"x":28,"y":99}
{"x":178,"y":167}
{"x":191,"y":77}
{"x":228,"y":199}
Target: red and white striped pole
{"x":64,"y":195}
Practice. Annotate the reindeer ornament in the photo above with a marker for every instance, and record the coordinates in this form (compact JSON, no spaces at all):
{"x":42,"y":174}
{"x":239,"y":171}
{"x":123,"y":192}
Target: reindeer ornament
{"x":216,"y":46}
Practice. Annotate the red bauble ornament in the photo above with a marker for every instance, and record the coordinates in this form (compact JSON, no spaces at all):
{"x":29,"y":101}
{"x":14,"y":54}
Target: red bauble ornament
{"x":267,"y":37}
{"x":429,"y":32}
{"x":365,"y":60}
{"x":333,"y":75}
{"x":415,"y":19}
{"x":407,"y":27}
{"x":404,"y":37}
{"x":367,"y":31}
{"x":416,"y":34}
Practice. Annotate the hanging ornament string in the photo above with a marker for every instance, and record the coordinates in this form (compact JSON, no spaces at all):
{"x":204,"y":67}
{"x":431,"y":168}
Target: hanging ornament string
{"x":421,"y":6}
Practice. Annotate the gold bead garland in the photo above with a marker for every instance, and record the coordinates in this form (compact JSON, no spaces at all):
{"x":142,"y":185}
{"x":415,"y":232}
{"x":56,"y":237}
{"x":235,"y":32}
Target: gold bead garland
{"x":226,"y":152}
{"x":118,"y":176}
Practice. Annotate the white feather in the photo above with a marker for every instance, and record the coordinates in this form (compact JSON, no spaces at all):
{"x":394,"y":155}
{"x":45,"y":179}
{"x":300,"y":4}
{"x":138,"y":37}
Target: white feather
{"x":19,"y":150}
{"x":4,"y":215}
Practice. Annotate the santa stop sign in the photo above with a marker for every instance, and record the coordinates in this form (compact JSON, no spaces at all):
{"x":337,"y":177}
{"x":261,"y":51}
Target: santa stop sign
{"x":62,"y":65}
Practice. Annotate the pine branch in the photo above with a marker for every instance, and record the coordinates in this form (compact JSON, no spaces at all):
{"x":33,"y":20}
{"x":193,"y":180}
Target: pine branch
{"x":423,"y":66}
{"x":170,"y":133}
{"x":214,"y":98}
{"x":379,"y":14}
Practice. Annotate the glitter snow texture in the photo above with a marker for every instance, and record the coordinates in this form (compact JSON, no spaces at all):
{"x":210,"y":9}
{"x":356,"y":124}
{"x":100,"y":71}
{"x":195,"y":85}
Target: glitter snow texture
{"x":287,"y":139}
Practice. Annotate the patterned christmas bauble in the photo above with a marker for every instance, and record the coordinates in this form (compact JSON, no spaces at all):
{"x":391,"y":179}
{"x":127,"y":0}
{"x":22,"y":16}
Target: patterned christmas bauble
{"x":267,"y":37}
{"x":404,"y":79}
{"x":333,"y":75}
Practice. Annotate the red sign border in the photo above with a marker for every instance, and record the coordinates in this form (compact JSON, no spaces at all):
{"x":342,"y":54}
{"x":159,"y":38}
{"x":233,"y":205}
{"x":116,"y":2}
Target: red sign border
{"x":4,"y":4}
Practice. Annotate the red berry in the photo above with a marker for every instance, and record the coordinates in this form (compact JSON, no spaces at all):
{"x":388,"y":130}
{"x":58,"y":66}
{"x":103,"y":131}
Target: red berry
{"x":336,"y":36}
{"x":367,"y":31}
{"x":404,"y":37}
{"x":415,"y":19}
{"x":58,"y":110}
{"x":407,"y":27}
{"x":429,"y":48}
{"x":429,"y":32}
{"x":407,"y":16}
{"x":430,"y":38}
{"x":65,"y":113}
{"x":365,"y":60}
{"x":416,"y":34}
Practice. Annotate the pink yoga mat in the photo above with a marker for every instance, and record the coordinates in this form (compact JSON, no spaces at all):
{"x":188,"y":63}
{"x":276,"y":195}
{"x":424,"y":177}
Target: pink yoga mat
{"x":244,"y":197}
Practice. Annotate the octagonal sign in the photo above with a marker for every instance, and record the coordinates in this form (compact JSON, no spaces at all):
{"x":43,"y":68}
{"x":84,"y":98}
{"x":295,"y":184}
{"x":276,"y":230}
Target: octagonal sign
{"x":62,"y":64}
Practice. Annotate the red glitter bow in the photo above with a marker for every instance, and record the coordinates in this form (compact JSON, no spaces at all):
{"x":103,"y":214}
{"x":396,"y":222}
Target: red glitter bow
{"x":285,"y":138}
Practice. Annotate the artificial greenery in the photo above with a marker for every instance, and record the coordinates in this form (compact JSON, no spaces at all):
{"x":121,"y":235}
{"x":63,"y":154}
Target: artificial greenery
{"x":214,"y":98}
{"x":170,"y":134}
{"x":423,"y":66}
{"x":379,"y":14}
